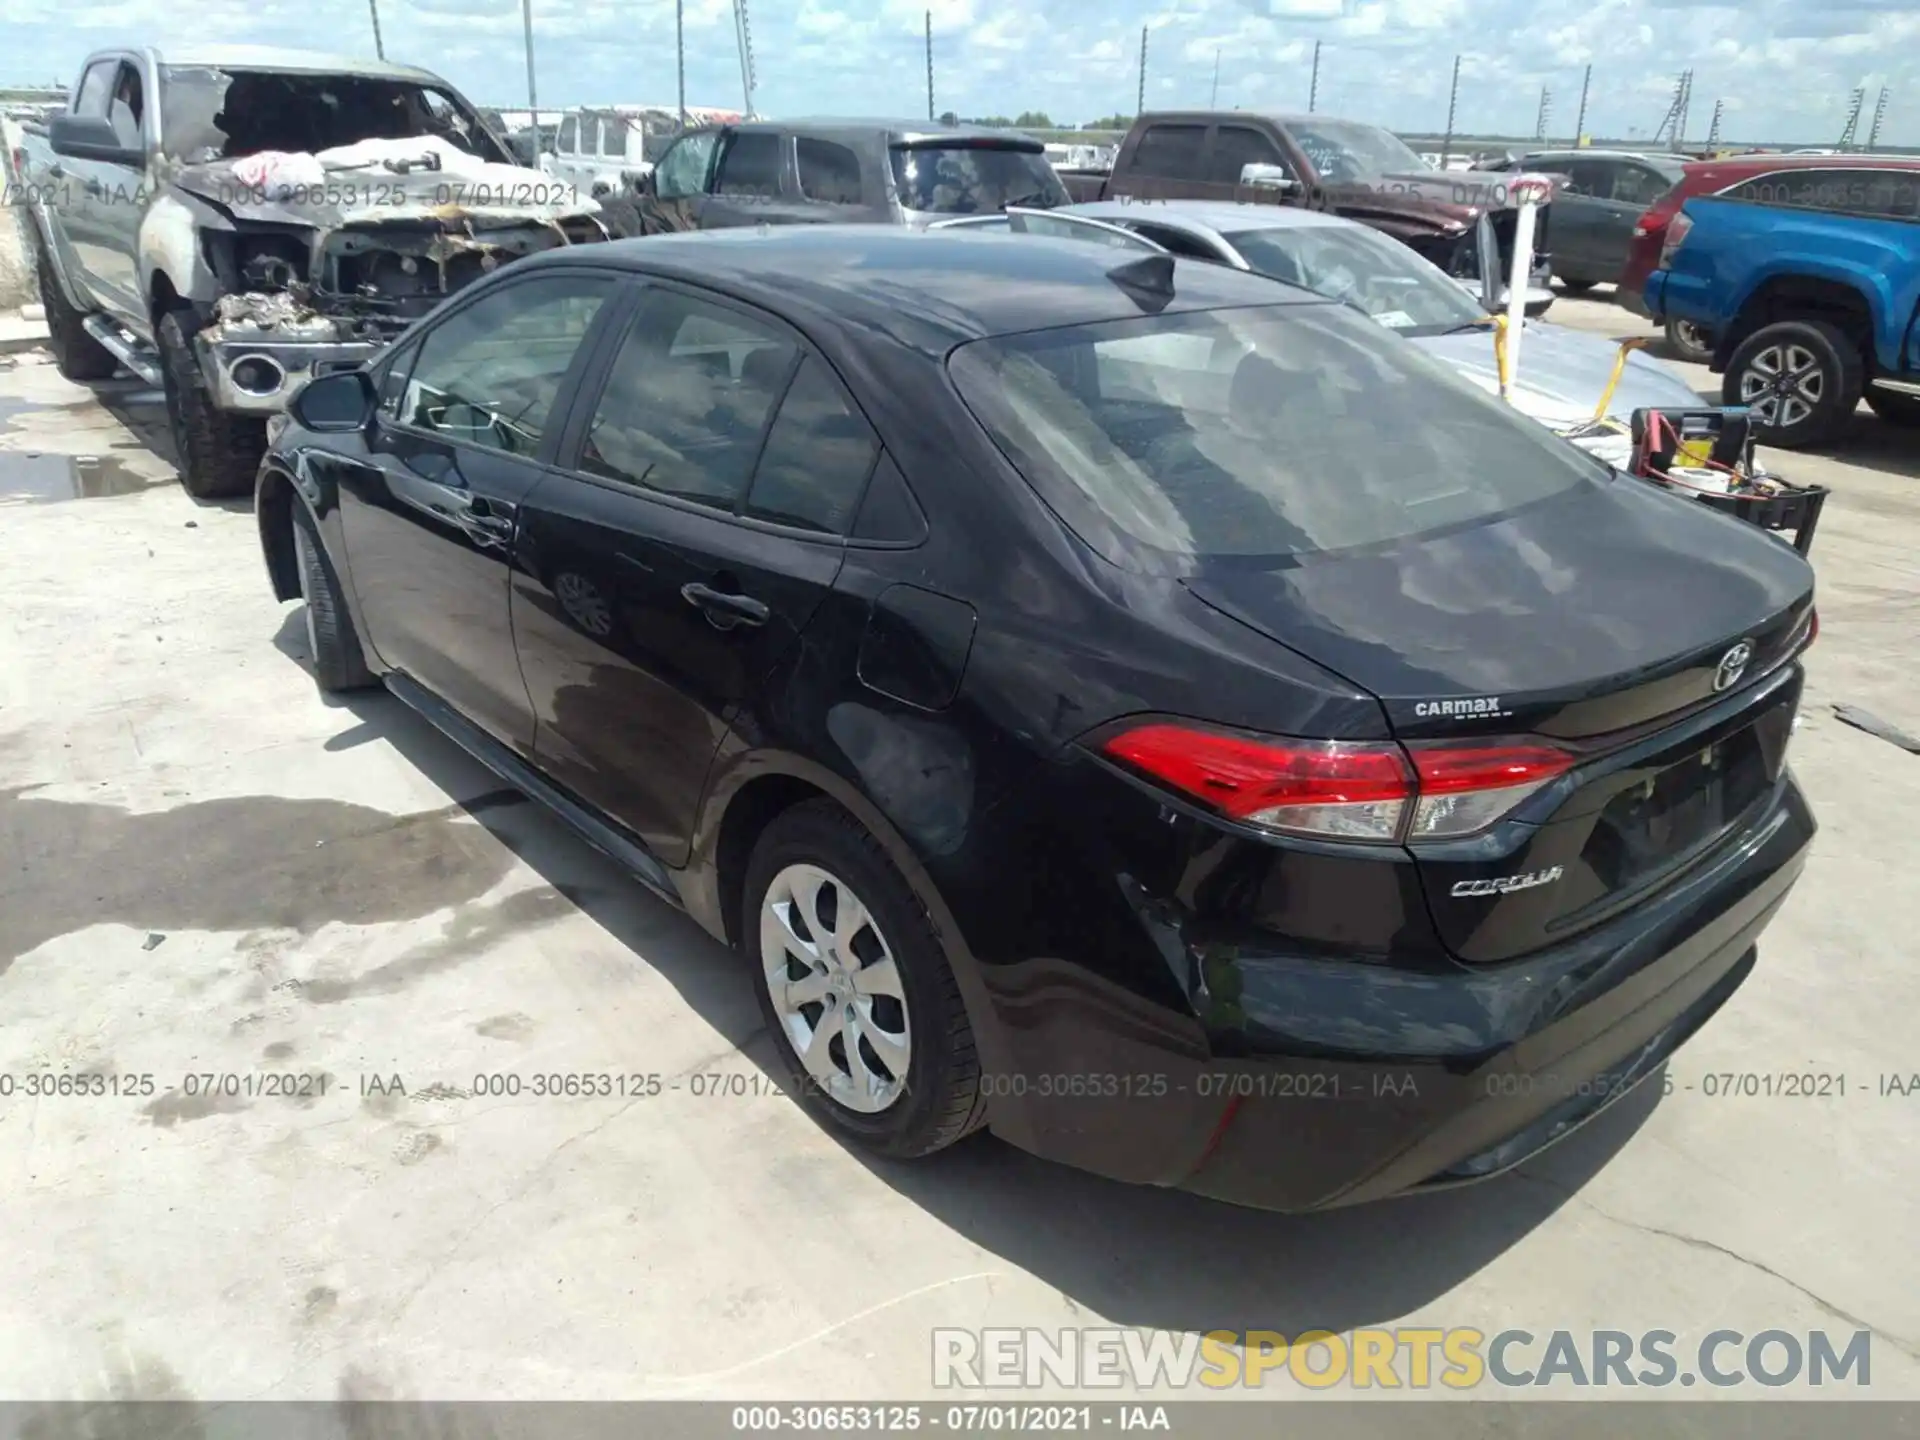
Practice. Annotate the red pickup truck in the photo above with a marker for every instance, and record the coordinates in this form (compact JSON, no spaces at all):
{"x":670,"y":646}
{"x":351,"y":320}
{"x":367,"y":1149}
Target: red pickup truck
{"x":1355,"y":170}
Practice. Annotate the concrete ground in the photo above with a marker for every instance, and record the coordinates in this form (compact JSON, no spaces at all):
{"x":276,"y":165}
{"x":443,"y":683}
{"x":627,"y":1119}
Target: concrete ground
{"x":207,"y":869}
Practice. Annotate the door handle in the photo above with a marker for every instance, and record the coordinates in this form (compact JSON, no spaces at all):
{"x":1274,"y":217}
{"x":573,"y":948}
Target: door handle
{"x":487,"y":521}
{"x":723,"y":609}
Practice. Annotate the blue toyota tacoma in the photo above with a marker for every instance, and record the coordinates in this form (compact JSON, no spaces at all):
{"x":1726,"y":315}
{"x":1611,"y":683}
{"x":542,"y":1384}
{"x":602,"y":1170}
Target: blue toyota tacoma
{"x":1810,"y":283}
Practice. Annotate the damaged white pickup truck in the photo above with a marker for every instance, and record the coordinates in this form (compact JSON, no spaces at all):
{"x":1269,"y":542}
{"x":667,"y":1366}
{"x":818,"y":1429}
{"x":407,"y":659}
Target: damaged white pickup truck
{"x":228,"y":222}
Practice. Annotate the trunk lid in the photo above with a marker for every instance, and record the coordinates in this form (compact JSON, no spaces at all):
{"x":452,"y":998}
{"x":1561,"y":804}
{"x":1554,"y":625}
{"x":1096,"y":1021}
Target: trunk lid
{"x":1611,"y":621}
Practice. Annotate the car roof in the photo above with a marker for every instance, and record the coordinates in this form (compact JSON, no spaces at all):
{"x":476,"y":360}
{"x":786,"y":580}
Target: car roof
{"x":868,"y":126}
{"x":1590,"y":153}
{"x":1275,"y":117}
{"x":1220,"y":216}
{"x":286,"y":58}
{"x":1762,"y":164}
{"x":928,"y":290}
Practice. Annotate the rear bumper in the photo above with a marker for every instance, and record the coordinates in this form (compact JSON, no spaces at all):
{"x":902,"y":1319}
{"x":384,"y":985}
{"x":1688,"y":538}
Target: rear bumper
{"x":1386,"y":1082}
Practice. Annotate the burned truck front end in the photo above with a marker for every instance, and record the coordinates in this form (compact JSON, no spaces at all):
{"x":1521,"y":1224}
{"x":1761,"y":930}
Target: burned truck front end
{"x":296,"y":301}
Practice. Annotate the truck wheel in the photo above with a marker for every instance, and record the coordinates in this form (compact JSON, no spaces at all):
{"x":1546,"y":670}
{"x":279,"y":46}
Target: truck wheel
{"x":1800,"y":378}
{"x":866,"y":1016}
{"x":76,"y":354}
{"x":1893,"y":407}
{"x":219,"y":453}
{"x":338,"y":661}
{"x":1689,"y":342}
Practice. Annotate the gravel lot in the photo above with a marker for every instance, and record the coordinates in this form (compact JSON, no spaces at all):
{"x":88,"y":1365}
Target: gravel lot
{"x":206,"y":869}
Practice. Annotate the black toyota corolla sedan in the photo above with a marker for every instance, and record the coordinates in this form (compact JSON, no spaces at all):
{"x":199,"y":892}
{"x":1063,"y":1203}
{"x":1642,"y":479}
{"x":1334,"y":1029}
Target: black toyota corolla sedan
{"x":1132,"y":705}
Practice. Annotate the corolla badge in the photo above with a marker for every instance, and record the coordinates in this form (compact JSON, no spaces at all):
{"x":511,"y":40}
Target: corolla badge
{"x":1507,"y":884}
{"x":1733,"y":665}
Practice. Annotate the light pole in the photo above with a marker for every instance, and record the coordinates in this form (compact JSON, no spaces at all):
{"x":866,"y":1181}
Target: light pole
{"x":526,"y":15}
{"x":379,"y":48}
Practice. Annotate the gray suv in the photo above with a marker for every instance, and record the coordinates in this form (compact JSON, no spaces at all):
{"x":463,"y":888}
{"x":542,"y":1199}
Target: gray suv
{"x":787,"y":172}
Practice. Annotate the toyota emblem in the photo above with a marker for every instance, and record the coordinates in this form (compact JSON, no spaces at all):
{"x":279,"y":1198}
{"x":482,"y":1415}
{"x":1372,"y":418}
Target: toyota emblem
{"x":1733,"y":665}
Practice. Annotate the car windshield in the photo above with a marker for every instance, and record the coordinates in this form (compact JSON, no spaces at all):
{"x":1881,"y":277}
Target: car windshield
{"x":1344,"y":150}
{"x":218,"y":114}
{"x":1371,"y":271}
{"x":1269,"y":432}
{"x":973,"y":179}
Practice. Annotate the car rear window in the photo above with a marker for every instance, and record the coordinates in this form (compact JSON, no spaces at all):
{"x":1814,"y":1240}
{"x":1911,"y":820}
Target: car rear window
{"x":1271,"y":431}
{"x":973,"y":179}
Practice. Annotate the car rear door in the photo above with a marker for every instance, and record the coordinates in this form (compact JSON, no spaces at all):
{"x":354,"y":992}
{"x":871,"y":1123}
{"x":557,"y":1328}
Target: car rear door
{"x":429,"y":508}
{"x":1636,"y":184}
{"x":711,"y":469}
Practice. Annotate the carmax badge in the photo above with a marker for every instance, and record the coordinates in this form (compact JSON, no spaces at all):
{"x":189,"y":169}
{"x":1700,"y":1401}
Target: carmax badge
{"x":1507,"y":884}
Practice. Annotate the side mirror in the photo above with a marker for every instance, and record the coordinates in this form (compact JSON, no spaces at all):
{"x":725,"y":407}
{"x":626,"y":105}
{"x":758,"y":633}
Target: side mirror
{"x":90,"y":137}
{"x":1273,"y":179}
{"x":335,"y":404}
{"x":1492,"y":282}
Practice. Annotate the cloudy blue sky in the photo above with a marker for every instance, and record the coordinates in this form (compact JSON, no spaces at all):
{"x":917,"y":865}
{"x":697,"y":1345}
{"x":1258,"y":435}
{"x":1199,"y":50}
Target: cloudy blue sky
{"x":1783,"y":67}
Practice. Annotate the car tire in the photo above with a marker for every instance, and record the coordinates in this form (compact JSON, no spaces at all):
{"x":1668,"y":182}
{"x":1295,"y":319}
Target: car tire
{"x":1689,"y":342}
{"x":810,"y":862}
{"x":338,"y":661}
{"x":219,"y":453}
{"x":1819,"y":374}
{"x":76,"y":354}
{"x":1893,"y":407}
{"x":1573,"y":286}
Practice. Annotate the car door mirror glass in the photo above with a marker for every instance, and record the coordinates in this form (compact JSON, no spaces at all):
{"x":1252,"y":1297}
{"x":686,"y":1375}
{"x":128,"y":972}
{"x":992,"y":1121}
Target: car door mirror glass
{"x":336,"y":403}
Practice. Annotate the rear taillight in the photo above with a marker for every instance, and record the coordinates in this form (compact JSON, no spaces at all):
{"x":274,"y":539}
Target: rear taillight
{"x":1677,"y":230}
{"x":1467,"y":788}
{"x":1341,"y":789}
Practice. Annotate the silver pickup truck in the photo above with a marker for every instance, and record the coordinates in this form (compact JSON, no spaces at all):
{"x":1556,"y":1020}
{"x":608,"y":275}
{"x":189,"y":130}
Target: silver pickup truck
{"x":228,"y":221}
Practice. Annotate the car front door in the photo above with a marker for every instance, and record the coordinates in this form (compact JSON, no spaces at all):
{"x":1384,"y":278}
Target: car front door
{"x":1579,"y":215}
{"x":677,"y":198}
{"x":1231,"y":150}
{"x":430,"y":514}
{"x":121,"y":197}
{"x":78,"y":188}
{"x":676,"y":561}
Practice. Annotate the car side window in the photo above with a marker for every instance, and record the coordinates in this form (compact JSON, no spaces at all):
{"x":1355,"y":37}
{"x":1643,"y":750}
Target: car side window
{"x":1588,"y":177}
{"x":818,"y":456}
{"x":687,"y":400}
{"x":490,"y":373}
{"x":127,"y":107}
{"x":1637,"y":185}
{"x":683,"y":169}
{"x":750,"y":165}
{"x":1237,"y":146}
{"x":569,"y":135}
{"x":96,"y":88}
{"x":391,"y":380}
{"x":829,"y":173}
{"x":1885,"y":194}
{"x":613,"y":137}
{"x":1170,"y":151}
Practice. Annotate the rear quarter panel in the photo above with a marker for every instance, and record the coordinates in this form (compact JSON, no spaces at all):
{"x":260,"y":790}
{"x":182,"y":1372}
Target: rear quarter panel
{"x":1736,"y":248}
